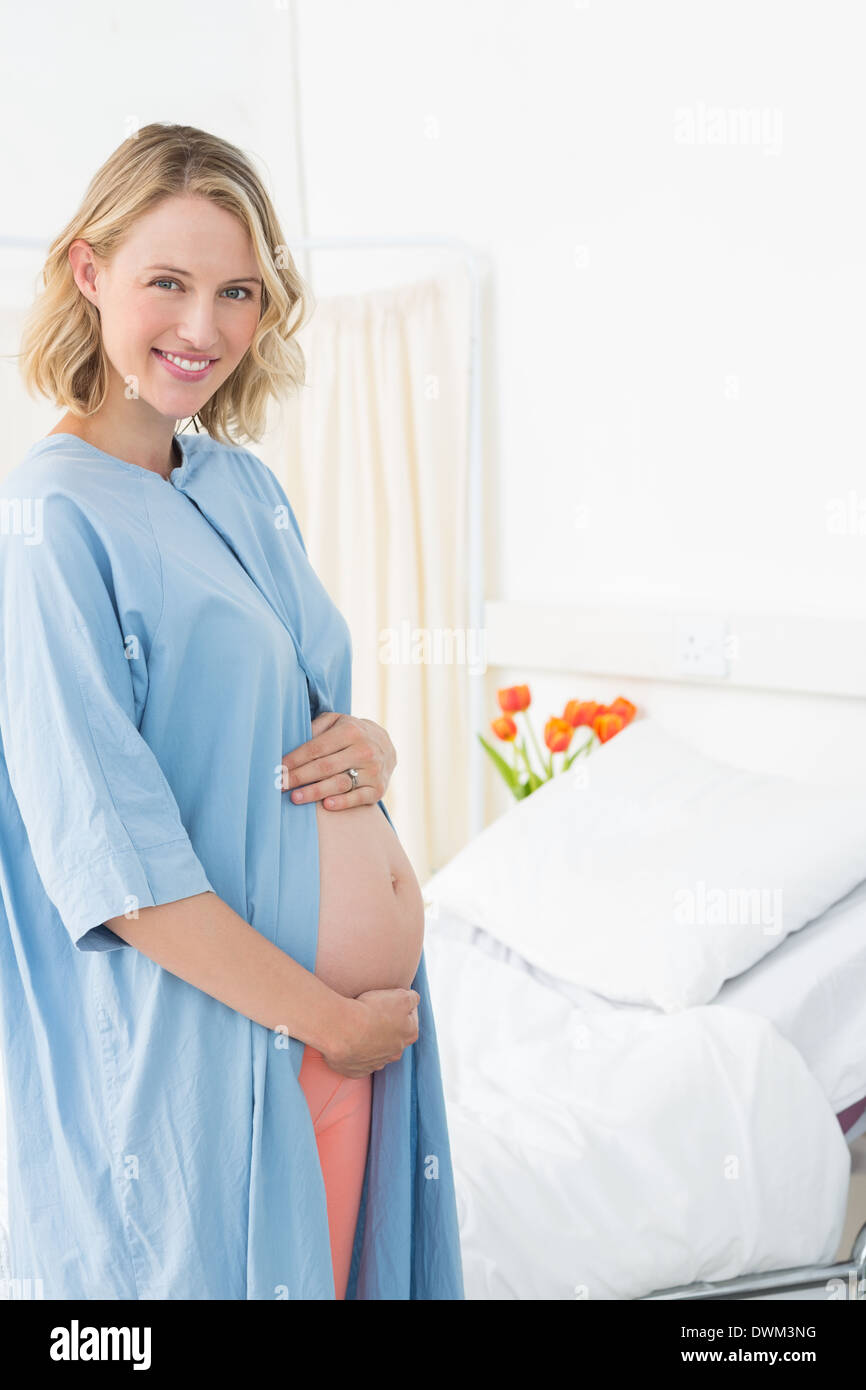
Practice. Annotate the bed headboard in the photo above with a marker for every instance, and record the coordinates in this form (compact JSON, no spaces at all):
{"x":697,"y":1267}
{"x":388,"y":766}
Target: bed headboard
{"x":824,"y":656}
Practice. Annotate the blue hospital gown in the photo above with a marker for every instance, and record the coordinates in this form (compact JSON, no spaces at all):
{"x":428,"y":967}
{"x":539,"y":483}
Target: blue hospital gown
{"x":163,"y":644}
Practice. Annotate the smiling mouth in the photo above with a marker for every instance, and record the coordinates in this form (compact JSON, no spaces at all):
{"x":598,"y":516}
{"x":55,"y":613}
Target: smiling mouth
{"x":185,"y":366}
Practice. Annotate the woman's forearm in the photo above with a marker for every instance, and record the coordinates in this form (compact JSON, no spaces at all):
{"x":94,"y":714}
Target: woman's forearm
{"x":204,"y":941}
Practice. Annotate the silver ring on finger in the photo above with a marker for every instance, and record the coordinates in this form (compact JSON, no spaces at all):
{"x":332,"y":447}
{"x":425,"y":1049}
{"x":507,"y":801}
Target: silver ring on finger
{"x":353,"y":773}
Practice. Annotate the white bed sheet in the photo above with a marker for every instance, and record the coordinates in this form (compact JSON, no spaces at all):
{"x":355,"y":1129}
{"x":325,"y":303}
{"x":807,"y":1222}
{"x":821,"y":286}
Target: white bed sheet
{"x":589,"y":1139}
{"x":813,"y":988}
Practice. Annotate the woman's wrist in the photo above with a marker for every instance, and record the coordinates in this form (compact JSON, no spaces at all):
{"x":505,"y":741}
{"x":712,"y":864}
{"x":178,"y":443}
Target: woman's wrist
{"x":334,"y":1024}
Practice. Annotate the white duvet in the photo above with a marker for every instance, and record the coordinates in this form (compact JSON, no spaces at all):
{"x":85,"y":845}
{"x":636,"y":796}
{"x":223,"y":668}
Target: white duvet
{"x":607,"y":1153}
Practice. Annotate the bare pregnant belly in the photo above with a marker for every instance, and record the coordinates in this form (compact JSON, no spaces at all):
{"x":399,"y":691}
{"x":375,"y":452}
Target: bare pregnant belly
{"x":371,"y":912}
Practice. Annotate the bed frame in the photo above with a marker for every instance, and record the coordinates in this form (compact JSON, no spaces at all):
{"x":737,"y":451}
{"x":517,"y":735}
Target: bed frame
{"x":849,"y":1276}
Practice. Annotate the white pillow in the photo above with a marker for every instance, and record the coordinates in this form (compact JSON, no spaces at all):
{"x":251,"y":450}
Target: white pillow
{"x":651,"y":874}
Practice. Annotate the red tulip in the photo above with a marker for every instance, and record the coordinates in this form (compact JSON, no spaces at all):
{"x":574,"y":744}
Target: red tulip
{"x":504,"y":728}
{"x":514,"y":698}
{"x":579,"y":712}
{"x":607,"y":724}
{"x":558,"y":734}
{"x":624,"y":708}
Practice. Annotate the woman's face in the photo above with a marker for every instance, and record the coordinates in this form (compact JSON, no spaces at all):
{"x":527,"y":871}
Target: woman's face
{"x":185,"y":282}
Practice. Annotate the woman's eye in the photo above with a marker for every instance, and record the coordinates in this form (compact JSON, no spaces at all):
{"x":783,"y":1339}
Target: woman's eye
{"x":234,"y":289}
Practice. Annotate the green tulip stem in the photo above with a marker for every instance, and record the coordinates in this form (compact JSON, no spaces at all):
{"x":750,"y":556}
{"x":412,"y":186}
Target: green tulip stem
{"x":537,"y":749}
{"x":525,"y":757}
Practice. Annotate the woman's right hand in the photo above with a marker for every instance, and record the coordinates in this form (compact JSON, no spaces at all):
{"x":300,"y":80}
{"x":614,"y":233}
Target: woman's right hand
{"x":377,"y":1026}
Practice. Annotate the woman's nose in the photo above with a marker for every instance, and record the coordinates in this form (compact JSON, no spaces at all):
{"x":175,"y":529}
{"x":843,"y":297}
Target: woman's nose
{"x":198,"y":329}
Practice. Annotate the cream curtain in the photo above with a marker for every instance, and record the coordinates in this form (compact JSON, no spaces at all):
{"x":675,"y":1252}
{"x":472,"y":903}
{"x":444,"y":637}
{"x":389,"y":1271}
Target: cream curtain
{"x":377,"y":465}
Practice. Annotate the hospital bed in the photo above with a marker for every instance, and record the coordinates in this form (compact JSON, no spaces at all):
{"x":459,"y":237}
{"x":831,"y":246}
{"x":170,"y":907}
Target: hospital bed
{"x":606,"y":1149}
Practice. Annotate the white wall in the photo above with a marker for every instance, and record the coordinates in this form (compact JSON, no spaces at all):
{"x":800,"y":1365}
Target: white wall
{"x":678,"y":345}
{"x":669,"y":201}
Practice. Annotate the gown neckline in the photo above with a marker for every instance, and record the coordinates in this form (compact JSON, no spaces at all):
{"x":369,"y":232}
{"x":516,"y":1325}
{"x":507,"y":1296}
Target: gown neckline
{"x":178,"y":474}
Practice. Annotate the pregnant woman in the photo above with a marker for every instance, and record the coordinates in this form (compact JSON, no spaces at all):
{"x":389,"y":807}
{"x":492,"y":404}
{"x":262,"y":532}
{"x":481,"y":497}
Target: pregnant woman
{"x":221,"y":1063}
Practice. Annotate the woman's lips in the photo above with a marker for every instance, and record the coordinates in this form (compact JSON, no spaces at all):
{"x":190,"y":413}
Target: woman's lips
{"x":179,"y":372}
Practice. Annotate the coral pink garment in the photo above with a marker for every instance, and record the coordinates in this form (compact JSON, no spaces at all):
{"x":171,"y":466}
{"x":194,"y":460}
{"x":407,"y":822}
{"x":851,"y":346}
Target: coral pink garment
{"x":340,"y":1108}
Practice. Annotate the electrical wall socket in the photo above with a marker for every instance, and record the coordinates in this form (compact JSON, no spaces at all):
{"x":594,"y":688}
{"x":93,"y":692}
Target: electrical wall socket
{"x":700,"y":645}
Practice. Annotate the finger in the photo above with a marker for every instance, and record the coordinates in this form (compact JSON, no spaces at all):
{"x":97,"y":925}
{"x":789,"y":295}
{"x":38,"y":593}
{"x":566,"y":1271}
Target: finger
{"x":302,"y":772}
{"x":317,"y":747}
{"x":323,"y":720}
{"x":361,"y":796}
{"x":338,"y":787}
{"x":338,"y":737}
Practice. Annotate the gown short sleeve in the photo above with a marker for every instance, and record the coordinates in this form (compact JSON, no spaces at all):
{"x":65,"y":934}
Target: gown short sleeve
{"x":102,"y":822}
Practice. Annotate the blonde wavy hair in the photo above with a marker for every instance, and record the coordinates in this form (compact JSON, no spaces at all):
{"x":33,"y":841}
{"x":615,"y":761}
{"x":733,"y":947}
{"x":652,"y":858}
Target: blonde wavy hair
{"x":62,"y":355}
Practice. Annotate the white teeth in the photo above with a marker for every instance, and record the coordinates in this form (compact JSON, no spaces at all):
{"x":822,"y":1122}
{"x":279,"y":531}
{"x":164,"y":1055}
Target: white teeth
{"x":184,"y":362}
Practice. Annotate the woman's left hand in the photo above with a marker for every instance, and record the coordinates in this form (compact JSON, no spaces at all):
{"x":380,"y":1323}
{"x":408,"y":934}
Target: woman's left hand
{"x":320,"y":766}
